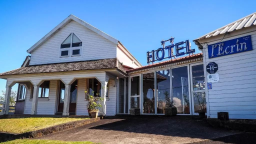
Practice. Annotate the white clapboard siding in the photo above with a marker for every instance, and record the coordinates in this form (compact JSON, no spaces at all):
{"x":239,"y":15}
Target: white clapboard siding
{"x":47,"y":106}
{"x":28,"y":101}
{"x":81,"y":103}
{"x":123,"y":58}
{"x":236,"y":90}
{"x":111,"y":102}
{"x":94,"y":46}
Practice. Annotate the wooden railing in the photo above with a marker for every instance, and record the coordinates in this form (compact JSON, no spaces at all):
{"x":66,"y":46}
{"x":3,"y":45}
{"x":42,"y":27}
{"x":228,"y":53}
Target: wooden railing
{"x":11,"y":109}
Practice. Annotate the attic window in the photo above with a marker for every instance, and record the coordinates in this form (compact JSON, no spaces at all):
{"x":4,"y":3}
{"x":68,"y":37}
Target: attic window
{"x":71,"y":46}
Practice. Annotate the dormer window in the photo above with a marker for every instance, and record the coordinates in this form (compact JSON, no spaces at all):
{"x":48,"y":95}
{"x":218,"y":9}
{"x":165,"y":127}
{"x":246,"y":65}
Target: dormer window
{"x":71,"y":46}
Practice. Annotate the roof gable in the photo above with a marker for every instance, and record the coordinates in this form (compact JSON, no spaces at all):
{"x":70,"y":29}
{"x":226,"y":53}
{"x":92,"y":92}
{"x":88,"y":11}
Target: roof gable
{"x":63,"y":23}
{"x":244,"y":22}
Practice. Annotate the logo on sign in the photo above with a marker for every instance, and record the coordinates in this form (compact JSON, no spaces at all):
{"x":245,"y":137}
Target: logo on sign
{"x":167,"y":51}
{"x":212,"y":68}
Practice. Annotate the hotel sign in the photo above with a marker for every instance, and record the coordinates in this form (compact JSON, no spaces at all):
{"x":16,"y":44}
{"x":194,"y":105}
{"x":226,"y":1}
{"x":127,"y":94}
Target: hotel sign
{"x":233,"y":46}
{"x":180,"y":48}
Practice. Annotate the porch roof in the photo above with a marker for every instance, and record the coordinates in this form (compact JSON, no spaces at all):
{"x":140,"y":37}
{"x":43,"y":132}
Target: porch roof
{"x":68,"y":66}
{"x":182,"y":59}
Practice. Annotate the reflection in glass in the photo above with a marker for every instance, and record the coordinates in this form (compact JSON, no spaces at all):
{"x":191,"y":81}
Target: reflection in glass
{"x":180,"y":90}
{"x":198,"y":77}
{"x":135,"y":102}
{"x":199,"y":102}
{"x":163,"y":87}
{"x":135,"y":92}
{"x":148,"y":93}
{"x":62,"y":92}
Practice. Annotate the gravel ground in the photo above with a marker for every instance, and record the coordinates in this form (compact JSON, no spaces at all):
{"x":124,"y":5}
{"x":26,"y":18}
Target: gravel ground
{"x":157,"y":130}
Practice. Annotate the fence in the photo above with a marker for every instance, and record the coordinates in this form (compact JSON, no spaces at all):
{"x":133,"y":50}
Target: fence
{"x":11,"y":109}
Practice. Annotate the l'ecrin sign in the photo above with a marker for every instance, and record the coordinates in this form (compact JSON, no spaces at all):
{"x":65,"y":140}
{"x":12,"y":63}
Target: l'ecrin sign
{"x":160,"y":54}
{"x":233,"y":46}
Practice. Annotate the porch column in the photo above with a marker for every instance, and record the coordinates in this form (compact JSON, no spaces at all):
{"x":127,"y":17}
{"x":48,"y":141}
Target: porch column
{"x":66,"y":100}
{"x":104,"y":92}
{"x":129,"y":94}
{"x":7,"y":99}
{"x":35,"y":100}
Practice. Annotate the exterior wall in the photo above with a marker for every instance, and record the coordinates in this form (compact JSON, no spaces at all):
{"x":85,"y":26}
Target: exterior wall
{"x":28,"y":101}
{"x":94,"y":46}
{"x":235,"y":91}
{"x":111,"y":101}
{"x":46,"y":106}
{"x":81,"y":103}
{"x":123,"y":58}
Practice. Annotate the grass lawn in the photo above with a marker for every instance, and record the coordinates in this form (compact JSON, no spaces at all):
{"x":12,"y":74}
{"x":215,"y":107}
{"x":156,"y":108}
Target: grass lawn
{"x":22,"y":125}
{"x":29,"y":141}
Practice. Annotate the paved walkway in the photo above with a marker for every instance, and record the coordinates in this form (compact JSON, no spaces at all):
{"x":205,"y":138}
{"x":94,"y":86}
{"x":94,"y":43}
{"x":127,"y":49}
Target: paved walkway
{"x":157,"y":130}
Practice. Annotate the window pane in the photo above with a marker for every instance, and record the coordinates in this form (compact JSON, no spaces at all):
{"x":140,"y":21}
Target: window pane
{"x":45,"y":92}
{"x":135,"y":86}
{"x":180,"y":90}
{"x":64,"y":53}
{"x":76,"y":52}
{"x":77,"y":44}
{"x":148,"y":93}
{"x":135,"y":101}
{"x":198,"y":77}
{"x":199,"y":102}
{"x":39,"y":92}
{"x":94,"y":87}
{"x":76,"y":39}
{"x":163,"y":87}
{"x":65,"y":45}
{"x":62,"y":94}
{"x":67,"y":40}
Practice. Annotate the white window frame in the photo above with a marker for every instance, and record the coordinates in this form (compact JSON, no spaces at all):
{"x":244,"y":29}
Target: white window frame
{"x":70,"y":49}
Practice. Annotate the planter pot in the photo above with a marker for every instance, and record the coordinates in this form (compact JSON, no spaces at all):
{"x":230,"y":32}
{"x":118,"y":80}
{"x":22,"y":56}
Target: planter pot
{"x":134,"y":111}
{"x":170,"y":111}
{"x":94,"y":114}
{"x":202,"y":114}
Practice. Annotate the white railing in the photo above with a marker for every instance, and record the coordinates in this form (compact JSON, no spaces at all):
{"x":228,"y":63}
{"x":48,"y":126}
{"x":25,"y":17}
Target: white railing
{"x":1,"y":108}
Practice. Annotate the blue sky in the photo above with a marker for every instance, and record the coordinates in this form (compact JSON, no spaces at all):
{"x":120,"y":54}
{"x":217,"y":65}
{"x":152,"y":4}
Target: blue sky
{"x":139,"y":25}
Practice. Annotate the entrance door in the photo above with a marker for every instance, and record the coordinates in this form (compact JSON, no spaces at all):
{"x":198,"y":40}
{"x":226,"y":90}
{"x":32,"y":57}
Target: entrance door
{"x":198,"y":88}
{"x":73,"y":96}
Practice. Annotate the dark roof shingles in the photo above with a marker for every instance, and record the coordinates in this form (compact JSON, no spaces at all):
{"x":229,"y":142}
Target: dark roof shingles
{"x":71,"y":66}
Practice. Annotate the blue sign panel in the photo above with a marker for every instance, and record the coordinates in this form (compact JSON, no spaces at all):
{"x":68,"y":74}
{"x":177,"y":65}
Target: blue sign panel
{"x":233,"y":46}
{"x":180,"y":48}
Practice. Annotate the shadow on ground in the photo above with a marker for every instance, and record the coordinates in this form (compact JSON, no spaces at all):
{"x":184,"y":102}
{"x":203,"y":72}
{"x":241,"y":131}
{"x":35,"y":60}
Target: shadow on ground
{"x":146,"y":129}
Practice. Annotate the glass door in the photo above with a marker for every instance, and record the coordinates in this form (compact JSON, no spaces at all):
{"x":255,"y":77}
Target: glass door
{"x":198,"y":89}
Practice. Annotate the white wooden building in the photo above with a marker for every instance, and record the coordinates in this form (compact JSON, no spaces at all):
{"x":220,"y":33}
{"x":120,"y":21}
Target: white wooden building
{"x":75,"y":57}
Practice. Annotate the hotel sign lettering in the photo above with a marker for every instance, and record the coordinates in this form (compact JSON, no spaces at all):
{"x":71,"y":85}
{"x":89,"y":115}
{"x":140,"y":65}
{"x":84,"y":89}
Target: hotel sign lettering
{"x":233,"y":46}
{"x":181,"y":48}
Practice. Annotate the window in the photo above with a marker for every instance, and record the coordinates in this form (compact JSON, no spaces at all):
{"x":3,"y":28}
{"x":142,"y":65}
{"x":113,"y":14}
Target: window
{"x":135,"y":92}
{"x":21,"y":92}
{"x":44,"y":89}
{"x":71,"y":46}
{"x":94,"y":87}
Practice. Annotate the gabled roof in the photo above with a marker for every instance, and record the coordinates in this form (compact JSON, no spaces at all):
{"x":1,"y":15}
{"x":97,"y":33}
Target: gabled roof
{"x":244,"y":22}
{"x":66,"y":21}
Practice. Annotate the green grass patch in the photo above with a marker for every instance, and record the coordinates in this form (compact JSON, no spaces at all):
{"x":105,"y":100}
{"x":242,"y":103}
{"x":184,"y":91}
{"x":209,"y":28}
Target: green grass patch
{"x":22,"y":125}
{"x":29,"y":141}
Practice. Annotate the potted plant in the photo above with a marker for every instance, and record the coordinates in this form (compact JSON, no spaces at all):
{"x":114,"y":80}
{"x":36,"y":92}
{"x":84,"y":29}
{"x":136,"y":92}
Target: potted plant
{"x":93,"y":105}
{"x":170,"y":109}
{"x":202,"y":105}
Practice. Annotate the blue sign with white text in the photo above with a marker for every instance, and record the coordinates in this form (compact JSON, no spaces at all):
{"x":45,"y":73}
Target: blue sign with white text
{"x":233,"y":46}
